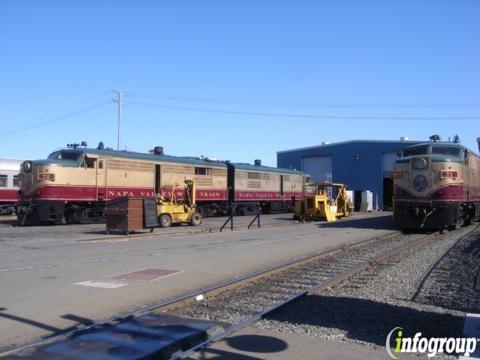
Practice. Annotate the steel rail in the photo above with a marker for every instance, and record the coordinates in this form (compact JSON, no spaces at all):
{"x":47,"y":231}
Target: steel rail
{"x":237,"y":281}
{"x":210,"y":291}
{"x":439,"y":259}
{"x":322,"y":285}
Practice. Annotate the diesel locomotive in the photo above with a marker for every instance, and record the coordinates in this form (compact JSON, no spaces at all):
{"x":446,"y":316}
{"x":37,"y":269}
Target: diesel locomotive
{"x":73,"y":184}
{"x":436,"y":186}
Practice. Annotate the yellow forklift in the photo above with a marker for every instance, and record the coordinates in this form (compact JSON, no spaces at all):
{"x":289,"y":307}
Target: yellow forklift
{"x":173,"y":211}
{"x":325,"y":201}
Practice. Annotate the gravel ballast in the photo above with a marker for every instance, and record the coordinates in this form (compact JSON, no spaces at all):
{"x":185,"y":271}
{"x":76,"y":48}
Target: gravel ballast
{"x":237,"y":305}
{"x":365,"y":308}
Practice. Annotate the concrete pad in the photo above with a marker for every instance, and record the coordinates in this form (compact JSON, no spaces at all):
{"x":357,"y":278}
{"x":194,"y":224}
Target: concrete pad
{"x":252,"y":344}
{"x":471,"y":329}
{"x":37,"y":273}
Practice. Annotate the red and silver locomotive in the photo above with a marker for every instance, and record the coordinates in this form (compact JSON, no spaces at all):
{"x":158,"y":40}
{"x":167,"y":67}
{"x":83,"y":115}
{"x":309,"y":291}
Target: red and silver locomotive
{"x":436,"y":186}
{"x":73,"y":184}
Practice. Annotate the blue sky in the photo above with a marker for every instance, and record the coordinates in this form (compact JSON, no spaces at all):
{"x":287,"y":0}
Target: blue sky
{"x":237,"y":80}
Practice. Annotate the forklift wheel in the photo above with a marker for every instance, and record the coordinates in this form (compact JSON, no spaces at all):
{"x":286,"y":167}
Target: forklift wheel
{"x":196,"y":219}
{"x":165,"y":221}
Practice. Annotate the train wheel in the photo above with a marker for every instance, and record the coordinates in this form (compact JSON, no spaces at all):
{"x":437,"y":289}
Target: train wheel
{"x":196,"y":219}
{"x":165,"y":221}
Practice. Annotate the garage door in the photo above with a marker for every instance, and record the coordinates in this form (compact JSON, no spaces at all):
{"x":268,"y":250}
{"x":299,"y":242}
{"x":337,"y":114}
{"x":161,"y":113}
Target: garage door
{"x":388,"y":163}
{"x":318,"y":167}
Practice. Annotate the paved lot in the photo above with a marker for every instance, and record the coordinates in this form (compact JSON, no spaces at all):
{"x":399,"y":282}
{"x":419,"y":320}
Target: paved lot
{"x":255,"y":344}
{"x":55,"y":277}
{"x":93,"y":232}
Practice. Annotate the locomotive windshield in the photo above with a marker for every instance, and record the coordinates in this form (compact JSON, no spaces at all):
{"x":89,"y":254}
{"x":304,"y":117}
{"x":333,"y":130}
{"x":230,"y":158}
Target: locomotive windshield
{"x":446,"y":150}
{"x":436,"y":149}
{"x":415,"y":150}
{"x":65,"y":155}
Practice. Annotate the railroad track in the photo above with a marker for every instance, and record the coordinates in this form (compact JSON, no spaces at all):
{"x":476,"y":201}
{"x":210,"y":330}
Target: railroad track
{"x":226,"y":307}
{"x":241,"y":307}
{"x":452,"y":280}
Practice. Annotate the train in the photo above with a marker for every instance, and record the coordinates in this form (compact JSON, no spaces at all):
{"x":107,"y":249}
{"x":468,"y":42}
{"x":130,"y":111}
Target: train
{"x":436,"y":186}
{"x":73,"y":184}
{"x":9,"y":182}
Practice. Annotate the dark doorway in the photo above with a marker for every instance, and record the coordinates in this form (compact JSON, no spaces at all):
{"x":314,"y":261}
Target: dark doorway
{"x":157,"y":179}
{"x":387,"y":193}
{"x":358,"y":200}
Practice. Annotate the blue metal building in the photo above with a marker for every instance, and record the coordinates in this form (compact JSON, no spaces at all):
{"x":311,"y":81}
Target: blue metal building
{"x":360,"y":164}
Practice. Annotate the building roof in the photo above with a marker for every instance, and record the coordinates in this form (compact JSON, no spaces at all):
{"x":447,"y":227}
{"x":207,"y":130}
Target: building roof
{"x":406,"y":142}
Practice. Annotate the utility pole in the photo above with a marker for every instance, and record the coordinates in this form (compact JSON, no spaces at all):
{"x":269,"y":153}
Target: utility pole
{"x":119,"y":102}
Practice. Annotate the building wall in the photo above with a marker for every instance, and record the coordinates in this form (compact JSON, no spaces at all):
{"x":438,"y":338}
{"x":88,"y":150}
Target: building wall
{"x":358,"y":164}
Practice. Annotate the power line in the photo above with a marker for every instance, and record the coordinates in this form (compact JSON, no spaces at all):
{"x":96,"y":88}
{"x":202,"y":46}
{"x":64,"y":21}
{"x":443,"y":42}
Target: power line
{"x":312,"y":104}
{"x":65,"y":108}
{"x":305,"y":116}
{"x":53,"y":120}
{"x":56,"y":126}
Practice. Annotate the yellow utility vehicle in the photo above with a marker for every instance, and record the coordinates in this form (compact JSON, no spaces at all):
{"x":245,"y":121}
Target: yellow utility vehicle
{"x":172,"y":211}
{"x":325,"y":201}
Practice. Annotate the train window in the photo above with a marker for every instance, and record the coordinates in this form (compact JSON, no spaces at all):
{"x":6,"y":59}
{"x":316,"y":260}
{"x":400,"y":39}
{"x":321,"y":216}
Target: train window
{"x":254,"y":175}
{"x":3,"y":180}
{"x":416,"y":150}
{"x":16,"y":181}
{"x":446,"y":150}
{"x":65,"y":155}
{"x":203,"y":171}
{"x":90,"y":163}
{"x":100,"y":164}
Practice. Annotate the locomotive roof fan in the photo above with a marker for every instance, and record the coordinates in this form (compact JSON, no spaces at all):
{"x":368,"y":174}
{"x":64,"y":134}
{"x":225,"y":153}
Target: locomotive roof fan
{"x":435,"y":138}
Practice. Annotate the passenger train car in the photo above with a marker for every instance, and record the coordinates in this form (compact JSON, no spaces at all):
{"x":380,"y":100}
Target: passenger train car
{"x":9,"y":170}
{"x":73,"y":184}
{"x":436,"y":186}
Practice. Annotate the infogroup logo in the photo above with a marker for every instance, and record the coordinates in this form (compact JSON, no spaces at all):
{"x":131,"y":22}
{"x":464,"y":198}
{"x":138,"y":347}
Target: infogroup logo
{"x":429,"y":346}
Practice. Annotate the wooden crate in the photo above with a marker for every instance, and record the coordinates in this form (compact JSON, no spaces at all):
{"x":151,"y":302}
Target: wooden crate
{"x":124,"y":214}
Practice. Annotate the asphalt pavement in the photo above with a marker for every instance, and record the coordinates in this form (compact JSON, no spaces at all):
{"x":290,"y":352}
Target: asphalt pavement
{"x":54,"y":277}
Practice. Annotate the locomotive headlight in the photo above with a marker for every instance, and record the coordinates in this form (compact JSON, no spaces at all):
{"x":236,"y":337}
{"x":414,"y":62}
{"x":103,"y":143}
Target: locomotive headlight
{"x":27,"y":166}
{"x":419,"y":163}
